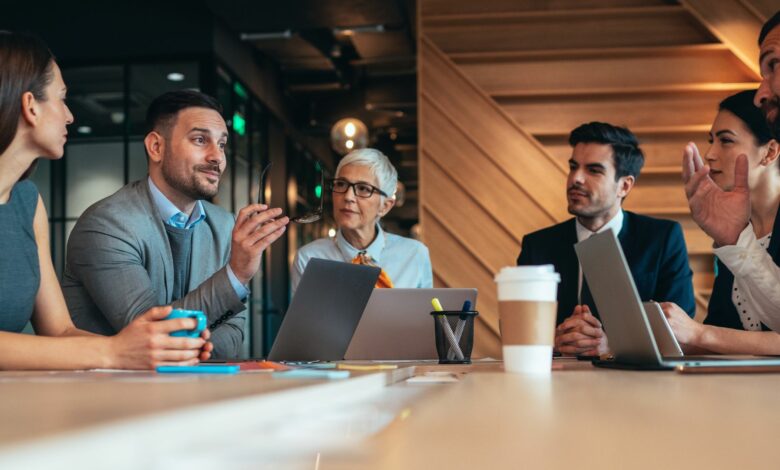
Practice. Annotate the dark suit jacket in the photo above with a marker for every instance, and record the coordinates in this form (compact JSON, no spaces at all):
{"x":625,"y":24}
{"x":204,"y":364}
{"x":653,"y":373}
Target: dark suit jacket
{"x":654,"y":249}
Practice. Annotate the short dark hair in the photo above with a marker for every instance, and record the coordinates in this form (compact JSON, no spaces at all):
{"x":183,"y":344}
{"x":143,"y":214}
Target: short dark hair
{"x":627,"y":155}
{"x":163,"y":111}
{"x":771,"y":24}
{"x":25,"y":66}
{"x":741,"y":105}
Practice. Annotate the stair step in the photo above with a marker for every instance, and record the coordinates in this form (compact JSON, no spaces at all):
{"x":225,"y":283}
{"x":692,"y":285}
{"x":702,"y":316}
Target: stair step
{"x":661,"y":150}
{"x":662,"y":171}
{"x":670,"y":212}
{"x":626,"y":92}
{"x":636,"y":69}
{"x":578,"y":52}
{"x":556,"y":30}
{"x":649,"y":113}
{"x":581,"y":14}
{"x":433,"y":8}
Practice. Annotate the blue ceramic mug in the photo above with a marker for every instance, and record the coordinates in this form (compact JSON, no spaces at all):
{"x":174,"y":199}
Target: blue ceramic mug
{"x":199,"y":316}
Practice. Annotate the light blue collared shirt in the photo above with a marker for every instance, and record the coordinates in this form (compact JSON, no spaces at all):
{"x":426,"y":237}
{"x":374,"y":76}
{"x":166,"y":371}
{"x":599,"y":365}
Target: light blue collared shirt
{"x":171,"y":215}
{"x":406,"y":261}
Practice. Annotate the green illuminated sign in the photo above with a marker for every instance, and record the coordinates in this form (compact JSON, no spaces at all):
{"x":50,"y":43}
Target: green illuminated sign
{"x":318,"y":188}
{"x":240,"y":91}
{"x":239,"y":123}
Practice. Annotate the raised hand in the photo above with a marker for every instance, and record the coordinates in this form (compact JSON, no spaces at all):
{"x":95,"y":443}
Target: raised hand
{"x":723,"y":215}
{"x":256,"y":228}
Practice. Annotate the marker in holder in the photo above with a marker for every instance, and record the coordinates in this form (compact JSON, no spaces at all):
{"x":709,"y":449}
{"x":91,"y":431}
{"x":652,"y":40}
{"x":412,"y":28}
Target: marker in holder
{"x":452,"y":320}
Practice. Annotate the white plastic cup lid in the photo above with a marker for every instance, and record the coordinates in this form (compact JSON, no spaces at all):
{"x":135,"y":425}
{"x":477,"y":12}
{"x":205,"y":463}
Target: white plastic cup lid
{"x":543,"y":273}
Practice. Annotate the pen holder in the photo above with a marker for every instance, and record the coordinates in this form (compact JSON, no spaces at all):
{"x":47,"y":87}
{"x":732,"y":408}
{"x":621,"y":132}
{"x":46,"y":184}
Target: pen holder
{"x":454,"y":331}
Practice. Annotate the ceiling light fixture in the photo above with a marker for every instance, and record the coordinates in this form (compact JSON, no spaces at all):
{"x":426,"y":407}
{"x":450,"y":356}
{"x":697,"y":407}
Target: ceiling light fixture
{"x":372,"y":28}
{"x":175,"y":76}
{"x":348,"y":134}
{"x":117,"y":117}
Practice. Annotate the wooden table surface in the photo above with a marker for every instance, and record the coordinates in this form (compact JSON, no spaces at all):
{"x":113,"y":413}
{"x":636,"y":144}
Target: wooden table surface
{"x":586,"y":417}
{"x":579,"y":417}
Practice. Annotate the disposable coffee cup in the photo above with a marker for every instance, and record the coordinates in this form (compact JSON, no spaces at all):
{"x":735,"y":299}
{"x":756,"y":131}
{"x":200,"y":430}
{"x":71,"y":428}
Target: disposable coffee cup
{"x":527,"y":309}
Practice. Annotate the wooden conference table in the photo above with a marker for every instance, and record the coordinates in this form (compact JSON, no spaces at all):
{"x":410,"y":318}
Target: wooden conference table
{"x":579,"y":417}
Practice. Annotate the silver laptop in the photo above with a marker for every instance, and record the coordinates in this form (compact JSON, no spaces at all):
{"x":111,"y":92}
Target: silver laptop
{"x":324,"y":311}
{"x":397,"y":323}
{"x":662,"y":332}
{"x":631,"y":338}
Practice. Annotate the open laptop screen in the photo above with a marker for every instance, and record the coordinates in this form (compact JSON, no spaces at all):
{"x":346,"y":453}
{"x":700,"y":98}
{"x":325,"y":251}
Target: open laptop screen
{"x":324,"y":311}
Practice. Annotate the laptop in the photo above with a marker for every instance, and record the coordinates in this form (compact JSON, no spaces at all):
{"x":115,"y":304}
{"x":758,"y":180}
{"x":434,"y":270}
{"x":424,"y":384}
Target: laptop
{"x":397,"y":323}
{"x":662,"y":332}
{"x":324,"y":311}
{"x":625,"y":320}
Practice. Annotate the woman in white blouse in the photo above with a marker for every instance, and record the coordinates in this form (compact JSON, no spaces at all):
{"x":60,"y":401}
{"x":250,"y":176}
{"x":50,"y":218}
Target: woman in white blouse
{"x":364,"y":192}
{"x":744,"y":313}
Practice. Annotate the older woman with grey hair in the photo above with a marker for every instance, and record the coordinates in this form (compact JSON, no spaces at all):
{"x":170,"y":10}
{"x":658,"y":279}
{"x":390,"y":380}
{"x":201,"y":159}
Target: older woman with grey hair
{"x":364,"y":192}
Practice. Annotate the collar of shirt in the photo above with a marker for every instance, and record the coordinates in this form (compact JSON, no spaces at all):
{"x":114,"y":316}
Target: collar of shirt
{"x":374,"y":250}
{"x":171,"y":215}
{"x":615,"y":224}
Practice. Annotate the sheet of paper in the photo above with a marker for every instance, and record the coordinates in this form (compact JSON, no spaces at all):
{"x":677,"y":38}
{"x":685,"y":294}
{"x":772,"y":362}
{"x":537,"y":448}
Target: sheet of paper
{"x":433,"y":378}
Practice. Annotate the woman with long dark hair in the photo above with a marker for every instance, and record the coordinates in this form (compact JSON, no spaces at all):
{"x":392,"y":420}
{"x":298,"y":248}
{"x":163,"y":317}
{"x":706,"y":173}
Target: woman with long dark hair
{"x":742,"y":313}
{"x":33,"y":124}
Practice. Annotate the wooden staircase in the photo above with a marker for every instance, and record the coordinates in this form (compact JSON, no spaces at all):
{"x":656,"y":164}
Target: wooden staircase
{"x":503,"y":82}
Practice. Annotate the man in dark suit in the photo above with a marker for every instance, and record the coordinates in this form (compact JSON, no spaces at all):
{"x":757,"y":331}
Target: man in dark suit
{"x":605,"y":163}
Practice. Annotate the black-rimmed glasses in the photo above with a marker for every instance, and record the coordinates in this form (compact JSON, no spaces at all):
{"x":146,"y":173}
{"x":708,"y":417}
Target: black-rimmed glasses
{"x":316,"y":214}
{"x":363,"y":190}
{"x":307,"y":218}
{"x":262,"y":182}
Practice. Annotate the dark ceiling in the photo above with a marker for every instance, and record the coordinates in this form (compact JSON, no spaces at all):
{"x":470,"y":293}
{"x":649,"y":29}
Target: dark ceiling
{"x":340,"y":58}
{"x":335,"y":58}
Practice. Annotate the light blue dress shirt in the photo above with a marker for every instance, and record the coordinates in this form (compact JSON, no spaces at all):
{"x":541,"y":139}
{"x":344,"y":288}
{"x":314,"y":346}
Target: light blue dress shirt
{"x":406,"y":261}
{"x":171,"y":215}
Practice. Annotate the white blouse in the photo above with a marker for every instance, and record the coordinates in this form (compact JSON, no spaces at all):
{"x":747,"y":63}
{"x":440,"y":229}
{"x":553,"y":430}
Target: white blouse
{"x":746,"y":304}
{"x":756,"y":279}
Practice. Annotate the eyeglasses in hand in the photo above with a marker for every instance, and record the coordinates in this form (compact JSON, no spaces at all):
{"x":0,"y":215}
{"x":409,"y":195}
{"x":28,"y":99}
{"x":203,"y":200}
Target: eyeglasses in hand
{"x":262,"y":182}
{"x":307,"y":218}
{"x":316,"y":214}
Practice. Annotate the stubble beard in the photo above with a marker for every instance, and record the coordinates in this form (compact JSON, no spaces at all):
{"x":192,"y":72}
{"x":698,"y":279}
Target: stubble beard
{"x":188,"y":185}
{"x":774,"y":122}
{"x":588,"y":212}
{"x":580,"y":210}
{"x":584,"y":212}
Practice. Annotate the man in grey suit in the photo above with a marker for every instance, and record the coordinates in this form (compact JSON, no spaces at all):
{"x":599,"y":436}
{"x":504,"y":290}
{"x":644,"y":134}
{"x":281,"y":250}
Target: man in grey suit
{"x":157,"y":241}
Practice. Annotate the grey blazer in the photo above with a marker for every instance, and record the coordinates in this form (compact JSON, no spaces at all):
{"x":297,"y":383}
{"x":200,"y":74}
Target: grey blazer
{"x":119,"y":264}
